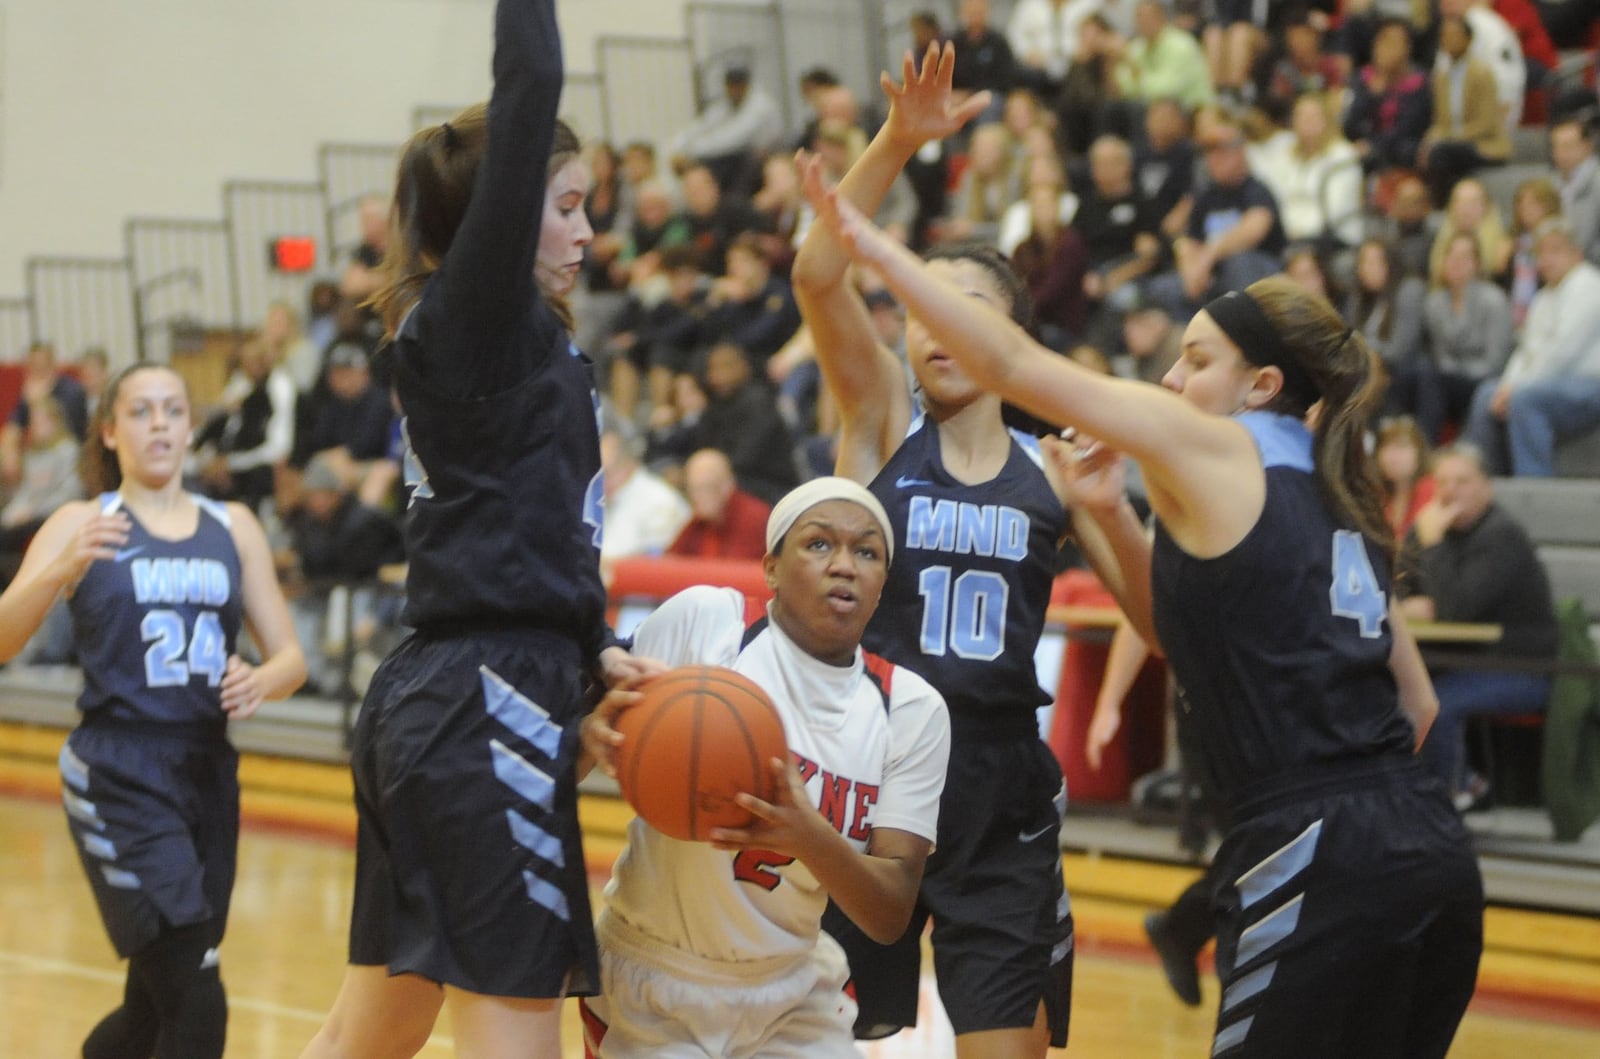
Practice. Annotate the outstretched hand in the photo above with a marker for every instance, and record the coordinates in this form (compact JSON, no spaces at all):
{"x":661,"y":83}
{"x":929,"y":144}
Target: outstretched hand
{"x":921,"y":106}
{"x":1093,"y":475}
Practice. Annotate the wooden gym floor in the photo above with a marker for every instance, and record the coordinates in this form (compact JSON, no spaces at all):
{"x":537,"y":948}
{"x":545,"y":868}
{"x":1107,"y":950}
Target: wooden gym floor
{"x":1539,"y":988}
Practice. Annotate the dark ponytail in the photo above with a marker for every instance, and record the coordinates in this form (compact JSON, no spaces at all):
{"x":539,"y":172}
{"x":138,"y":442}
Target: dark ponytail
{"x":1343,"y":368}
{"x":433,"y":187}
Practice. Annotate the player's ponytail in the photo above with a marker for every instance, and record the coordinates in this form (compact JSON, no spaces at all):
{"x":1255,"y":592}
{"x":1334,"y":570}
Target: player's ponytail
{"x":1342,"y":368}
{"x":433,"y":187}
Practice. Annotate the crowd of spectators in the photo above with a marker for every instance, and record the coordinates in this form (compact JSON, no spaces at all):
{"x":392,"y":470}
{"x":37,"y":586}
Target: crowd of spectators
{"x":1136,"y":159}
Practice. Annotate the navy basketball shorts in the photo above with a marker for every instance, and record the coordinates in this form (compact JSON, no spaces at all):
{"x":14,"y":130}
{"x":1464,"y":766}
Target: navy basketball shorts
{"x":469,"y":862}
{"x":1349,"y":918}
{"x":1002,"y":925}
{"x":154,"y":812}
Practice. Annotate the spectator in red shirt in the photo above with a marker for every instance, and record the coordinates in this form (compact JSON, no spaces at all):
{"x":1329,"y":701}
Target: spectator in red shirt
{"x":727,"y":522}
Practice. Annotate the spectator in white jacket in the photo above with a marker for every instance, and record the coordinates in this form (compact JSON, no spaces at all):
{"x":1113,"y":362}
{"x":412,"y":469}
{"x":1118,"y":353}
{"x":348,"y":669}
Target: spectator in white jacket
{"x":1314,"y":174}
{"x":1550,"y":389}
{"x":1043,"y":35}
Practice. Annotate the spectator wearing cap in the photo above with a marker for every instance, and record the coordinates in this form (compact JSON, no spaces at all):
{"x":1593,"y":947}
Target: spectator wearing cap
{"x":1234,"y":236}
{"x":354,"y":417}
{"x":335,"y":539}
{"x":726,"y":522}
{"x":1550,"y":389}
{"x":731,"y":133}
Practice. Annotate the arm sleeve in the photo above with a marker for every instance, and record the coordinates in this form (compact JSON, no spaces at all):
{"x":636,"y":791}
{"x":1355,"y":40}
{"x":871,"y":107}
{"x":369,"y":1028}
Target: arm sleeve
{"x":487,"y":324}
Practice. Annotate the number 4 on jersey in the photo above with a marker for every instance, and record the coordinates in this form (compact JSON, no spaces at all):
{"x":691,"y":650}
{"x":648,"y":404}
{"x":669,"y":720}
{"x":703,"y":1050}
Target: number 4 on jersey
{"x":1355,"y":592}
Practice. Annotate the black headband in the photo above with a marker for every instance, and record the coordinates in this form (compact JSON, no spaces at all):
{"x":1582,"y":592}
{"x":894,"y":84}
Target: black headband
{"x":1243,"y":321}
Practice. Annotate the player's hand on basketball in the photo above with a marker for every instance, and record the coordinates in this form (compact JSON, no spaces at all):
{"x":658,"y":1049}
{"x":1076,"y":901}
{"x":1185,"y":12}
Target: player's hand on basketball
{"x":97,"y":538}
{"x":241,"y":692}
{"x":619,"y":666}
{"x":789,"y":824}
{"x":597,"y":736}
{"x":920,"y":106}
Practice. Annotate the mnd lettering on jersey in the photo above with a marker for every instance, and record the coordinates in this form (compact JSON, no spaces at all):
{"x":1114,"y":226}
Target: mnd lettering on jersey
{"x":176,"y":581}
{"x":845,"y":803}
{"x":960,"y":528}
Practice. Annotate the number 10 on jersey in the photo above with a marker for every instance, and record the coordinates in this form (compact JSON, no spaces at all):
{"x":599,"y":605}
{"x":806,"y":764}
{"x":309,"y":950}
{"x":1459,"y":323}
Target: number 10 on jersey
{"x":965,"y":614}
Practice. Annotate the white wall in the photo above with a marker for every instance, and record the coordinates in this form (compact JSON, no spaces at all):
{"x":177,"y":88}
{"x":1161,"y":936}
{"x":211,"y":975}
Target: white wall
{"x":112,"y":109}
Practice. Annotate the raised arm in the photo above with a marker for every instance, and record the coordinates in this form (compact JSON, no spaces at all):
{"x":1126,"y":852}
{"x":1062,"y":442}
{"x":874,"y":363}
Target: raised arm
{"x":864,"y":377}
{"x":1203,"y":471}
{"x":488,"y":277}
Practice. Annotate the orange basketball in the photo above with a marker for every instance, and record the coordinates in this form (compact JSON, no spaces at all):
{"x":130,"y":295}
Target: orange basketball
{"x":699,"y":736}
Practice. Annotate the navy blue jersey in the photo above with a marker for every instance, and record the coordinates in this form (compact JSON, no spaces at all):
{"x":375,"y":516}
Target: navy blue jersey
{"x":500,"y":410}
{"x":1281,"y":646}
{"x":156,"y":624}
{"x":973,"y":565}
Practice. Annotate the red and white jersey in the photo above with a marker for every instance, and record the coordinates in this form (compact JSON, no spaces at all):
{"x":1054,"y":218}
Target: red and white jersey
{"x":871,"y":741}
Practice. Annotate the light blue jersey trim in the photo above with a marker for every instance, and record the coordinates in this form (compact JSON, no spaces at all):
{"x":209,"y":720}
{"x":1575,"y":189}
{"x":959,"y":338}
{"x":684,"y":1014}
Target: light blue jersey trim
{"x":1029,"y":445}
{"x":215,"y":508}
{"x":1283,"y":440}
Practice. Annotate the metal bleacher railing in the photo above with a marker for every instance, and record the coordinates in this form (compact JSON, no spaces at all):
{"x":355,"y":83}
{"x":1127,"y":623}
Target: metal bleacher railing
{"x":182,"y":277}
{"x":350,"y":172}
{"x":182,"y":282}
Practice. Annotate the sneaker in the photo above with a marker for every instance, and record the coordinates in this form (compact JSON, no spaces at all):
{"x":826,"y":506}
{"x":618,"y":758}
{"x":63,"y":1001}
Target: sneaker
{"x":1177,"y":962}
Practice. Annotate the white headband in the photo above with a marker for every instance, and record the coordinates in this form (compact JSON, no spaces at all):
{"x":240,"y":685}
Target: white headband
{"x":805,"y":497}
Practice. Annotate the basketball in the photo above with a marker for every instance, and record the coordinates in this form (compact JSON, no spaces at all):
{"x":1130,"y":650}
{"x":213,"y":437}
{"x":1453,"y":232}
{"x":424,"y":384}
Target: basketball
{"x":698,"y":737}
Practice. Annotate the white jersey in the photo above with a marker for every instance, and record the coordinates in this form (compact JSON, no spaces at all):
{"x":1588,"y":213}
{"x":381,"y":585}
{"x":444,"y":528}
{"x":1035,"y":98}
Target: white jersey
{"x":871,"y":741}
